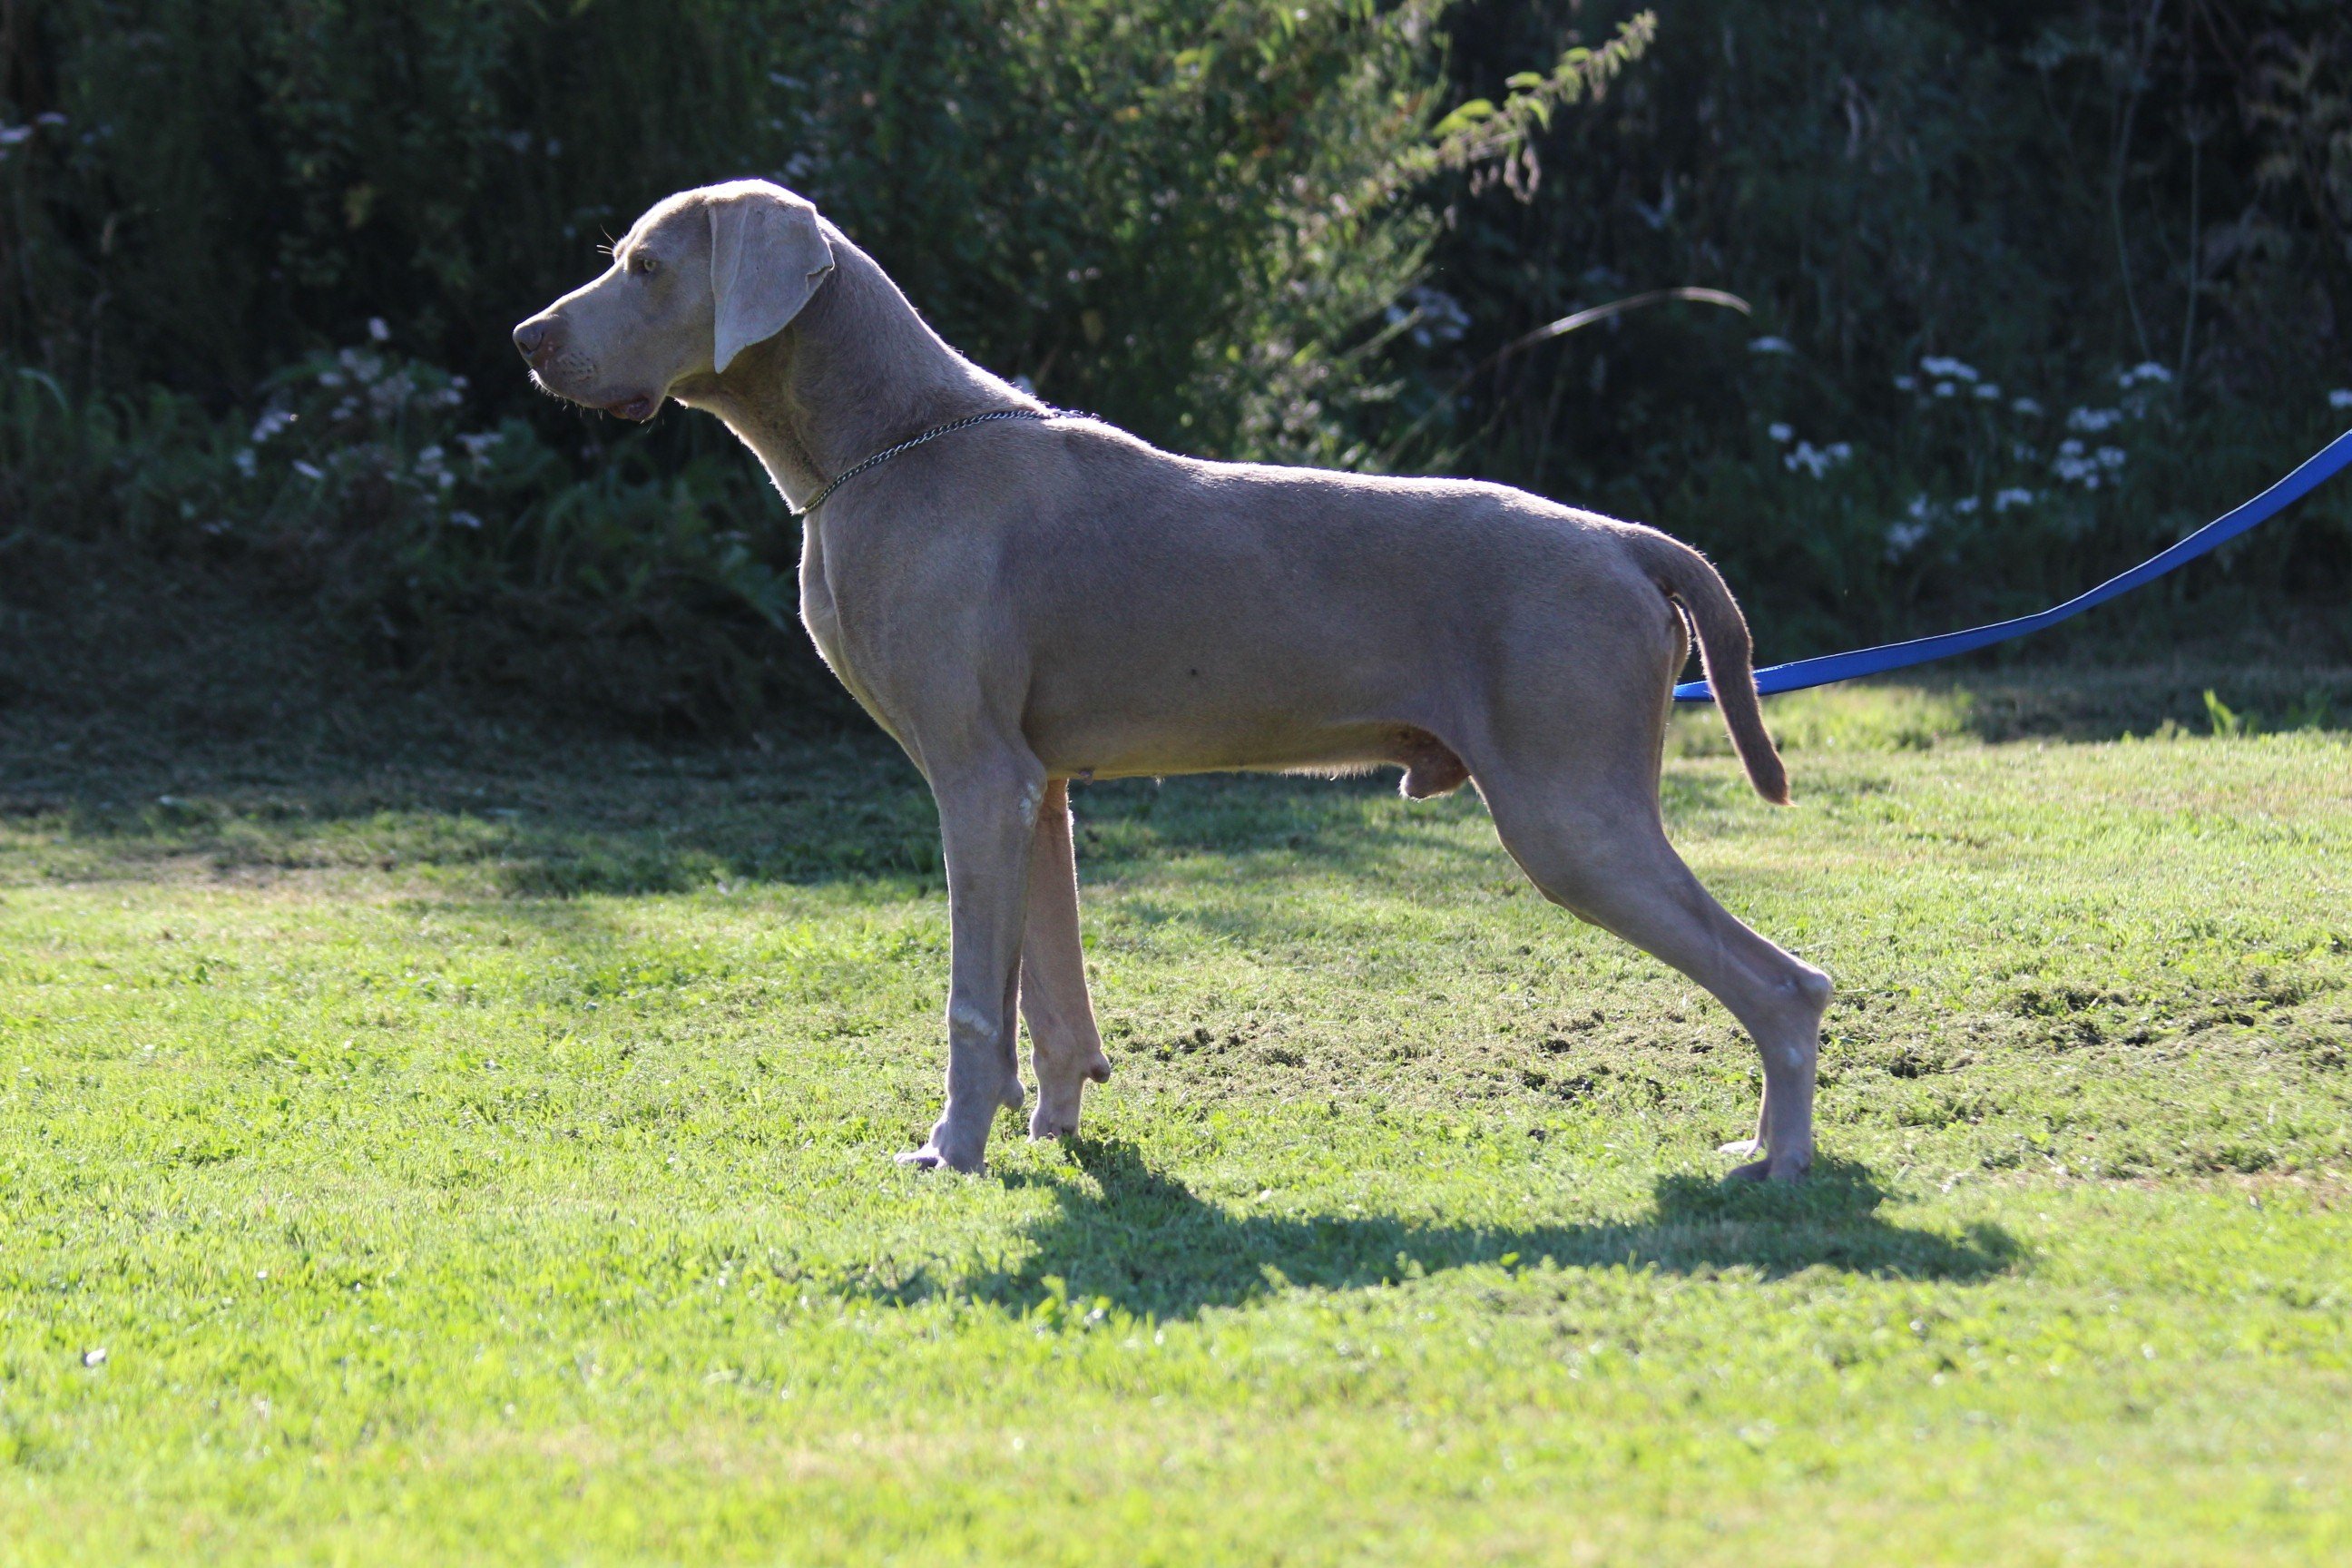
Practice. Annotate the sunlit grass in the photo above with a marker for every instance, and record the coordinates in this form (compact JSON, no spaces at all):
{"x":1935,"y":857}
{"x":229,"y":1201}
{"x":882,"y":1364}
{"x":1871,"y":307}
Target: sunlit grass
{"x":493,"y":1163}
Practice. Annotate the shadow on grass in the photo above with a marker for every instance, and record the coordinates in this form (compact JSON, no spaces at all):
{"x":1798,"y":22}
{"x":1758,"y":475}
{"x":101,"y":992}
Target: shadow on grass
{"x":1140,"y":1238}
{"x":512,"y":822}
{"x":104,"y":788}
{"x":2103,"y":704}
{"x":556,"y":826}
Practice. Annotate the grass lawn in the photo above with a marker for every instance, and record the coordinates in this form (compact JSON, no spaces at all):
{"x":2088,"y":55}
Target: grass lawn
{"x":486,"y":1157}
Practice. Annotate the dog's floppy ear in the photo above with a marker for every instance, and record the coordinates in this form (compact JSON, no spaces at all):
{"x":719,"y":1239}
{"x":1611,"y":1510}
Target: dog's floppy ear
{"x":767,"y":255}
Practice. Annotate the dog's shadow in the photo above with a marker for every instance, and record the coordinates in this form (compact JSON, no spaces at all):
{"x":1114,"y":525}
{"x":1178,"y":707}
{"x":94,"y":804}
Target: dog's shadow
{"x":1142,"y":1240}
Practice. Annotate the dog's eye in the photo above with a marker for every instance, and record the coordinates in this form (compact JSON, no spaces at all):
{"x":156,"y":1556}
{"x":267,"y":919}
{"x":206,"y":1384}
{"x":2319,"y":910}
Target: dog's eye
{"x":644,"y":265}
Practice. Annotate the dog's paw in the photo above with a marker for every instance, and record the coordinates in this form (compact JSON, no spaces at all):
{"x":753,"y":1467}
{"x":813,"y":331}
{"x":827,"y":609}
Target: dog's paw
{"x":1785,"y":1171}
{"x":928,"y":1158}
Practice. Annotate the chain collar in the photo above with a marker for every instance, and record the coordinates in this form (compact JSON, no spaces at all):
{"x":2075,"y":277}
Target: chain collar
{"x":887,"y":453}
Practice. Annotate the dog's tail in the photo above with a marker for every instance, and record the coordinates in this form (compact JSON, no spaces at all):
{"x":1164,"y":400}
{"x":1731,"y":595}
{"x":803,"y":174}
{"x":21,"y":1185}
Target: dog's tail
{"x":1691,"y":579}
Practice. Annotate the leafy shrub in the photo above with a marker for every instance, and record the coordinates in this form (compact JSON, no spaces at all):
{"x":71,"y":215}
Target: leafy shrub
{"x":1241,"y":227}
{"x":2053,"y":197}
{"x":358,"y":482}
{"x":1169,"y":212}
{"x":1178,"y":215}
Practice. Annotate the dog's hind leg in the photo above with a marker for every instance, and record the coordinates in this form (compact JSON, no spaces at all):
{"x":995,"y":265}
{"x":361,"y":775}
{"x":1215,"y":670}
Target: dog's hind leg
{"x":1064,"y":1048}
{"x":1604,"y":855}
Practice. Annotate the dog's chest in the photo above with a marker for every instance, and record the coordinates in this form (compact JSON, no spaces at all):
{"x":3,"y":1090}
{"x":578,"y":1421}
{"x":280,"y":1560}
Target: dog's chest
{"x":820,"y":610}
{"x":823,"y":613}
{"x":823,"y":618}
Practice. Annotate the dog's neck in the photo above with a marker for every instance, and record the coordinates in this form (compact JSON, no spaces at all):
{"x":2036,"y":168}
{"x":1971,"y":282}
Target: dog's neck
{"x":856,"y":370}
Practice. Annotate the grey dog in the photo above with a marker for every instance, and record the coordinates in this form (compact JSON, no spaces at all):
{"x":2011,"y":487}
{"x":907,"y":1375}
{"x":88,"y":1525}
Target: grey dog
{"x":1044,"y":597}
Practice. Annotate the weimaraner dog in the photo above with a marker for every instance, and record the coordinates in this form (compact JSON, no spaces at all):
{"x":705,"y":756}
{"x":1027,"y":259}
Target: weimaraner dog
{"x":1022,"y":598}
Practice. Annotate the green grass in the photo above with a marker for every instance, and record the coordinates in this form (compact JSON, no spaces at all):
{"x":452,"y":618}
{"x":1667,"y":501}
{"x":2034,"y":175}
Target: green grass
{"x":487,"y":1157}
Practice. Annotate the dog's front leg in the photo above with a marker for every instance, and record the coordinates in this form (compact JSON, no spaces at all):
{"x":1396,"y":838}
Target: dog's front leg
{"x":988,"y":816}
{"x":1064,"y":1047}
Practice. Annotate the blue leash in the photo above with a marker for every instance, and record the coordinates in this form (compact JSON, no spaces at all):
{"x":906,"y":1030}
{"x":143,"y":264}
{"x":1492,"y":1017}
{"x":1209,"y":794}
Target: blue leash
{"x":2331,"y":459}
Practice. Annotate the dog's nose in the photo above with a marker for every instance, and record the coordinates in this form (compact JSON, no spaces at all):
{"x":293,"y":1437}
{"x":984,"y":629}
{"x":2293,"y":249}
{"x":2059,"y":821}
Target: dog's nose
{"x":535,"y":338}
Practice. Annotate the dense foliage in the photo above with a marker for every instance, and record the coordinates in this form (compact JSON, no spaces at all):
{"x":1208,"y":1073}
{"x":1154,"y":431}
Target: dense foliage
{"x":217,"y":194}
{"x":2034,"y":288}
{"x":2037,"y":288}
{"x":1180,"y":215}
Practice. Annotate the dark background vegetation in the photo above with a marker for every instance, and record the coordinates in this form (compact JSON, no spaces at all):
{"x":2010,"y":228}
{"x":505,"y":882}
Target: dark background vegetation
{"x":2037,"y":288}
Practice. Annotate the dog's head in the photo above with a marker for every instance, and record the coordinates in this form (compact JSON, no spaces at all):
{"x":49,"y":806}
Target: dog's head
{"x":697,"y":281}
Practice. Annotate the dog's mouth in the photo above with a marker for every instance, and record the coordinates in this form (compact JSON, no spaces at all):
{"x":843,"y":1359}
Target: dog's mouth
{"x":637,"y":407}
{"x":573,"y":378}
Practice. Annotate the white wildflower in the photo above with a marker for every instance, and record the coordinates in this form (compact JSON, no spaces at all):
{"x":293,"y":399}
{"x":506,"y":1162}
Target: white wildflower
{"x":1906,"y":383}
{"x":379,"y":329}
{"x":1950,"y":368}
{"x":1817,"y":460}
{"x":1946,"y":389}
{"x":1902,"y":538}
{"x":308,"y":470}
{"x":390,"y":395}
{"x":272,"y":421}
{"x":2091,"y":420}
{"x":1966,"y":506}
{"x":1434,"y":316}
{"x":2014,"y":496}
{"x":1779,"y":432}
{"x":2028,"y":407}
{"x":465,"y":520}
{"x":1988,"y":391}
{"x":244,"y":461}
{"x":1770,"y":345}
{"x":2340,"y":398}
{"x":2076,"y":467}
{"x":2148,"y":370}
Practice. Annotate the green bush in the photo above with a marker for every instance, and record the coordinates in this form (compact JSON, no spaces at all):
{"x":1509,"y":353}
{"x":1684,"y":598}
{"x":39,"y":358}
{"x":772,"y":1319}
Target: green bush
{"x":1151,"y":210}
{"x":2056,"y":199}
{"x":361,"y":483}
{"x":1175,"y":214}
{"x":1299,"y":231}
